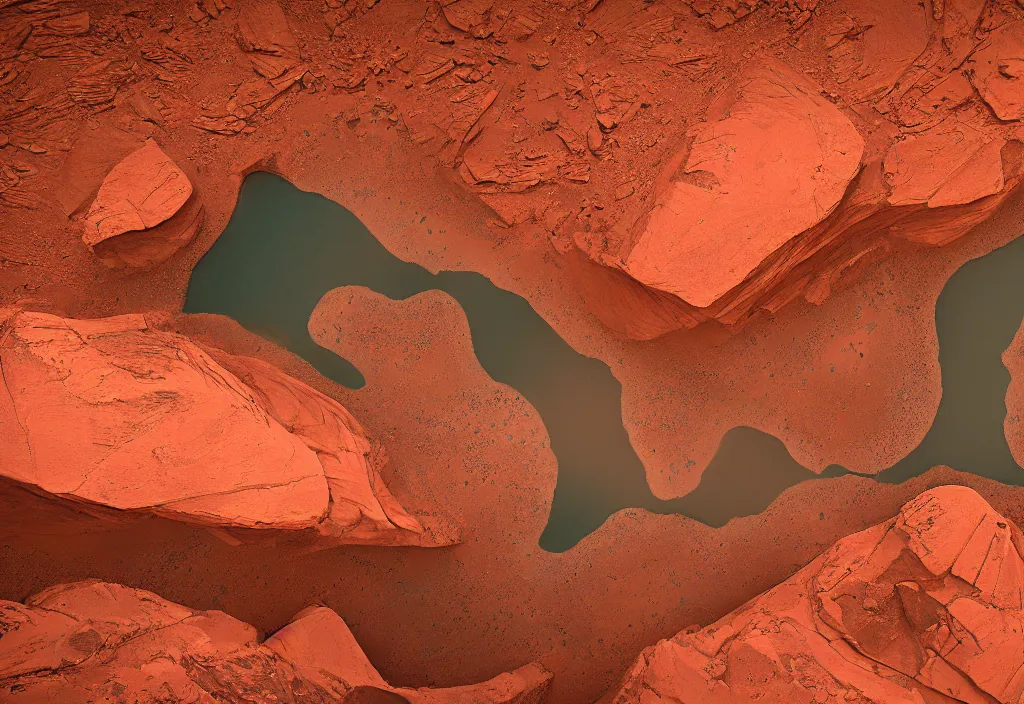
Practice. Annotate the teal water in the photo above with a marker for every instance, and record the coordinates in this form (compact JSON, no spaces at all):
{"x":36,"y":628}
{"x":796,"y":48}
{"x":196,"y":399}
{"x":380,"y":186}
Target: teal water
{"x":284,"y":249}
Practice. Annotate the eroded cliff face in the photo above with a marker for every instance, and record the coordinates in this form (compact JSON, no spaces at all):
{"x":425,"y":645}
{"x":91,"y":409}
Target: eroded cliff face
{"x":92,"y":641}
{"x":116,"y":412}
{"x":926,"y":607}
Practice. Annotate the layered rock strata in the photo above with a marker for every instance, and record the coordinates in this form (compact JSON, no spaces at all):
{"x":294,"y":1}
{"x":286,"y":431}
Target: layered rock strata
{"x":94,"y":641}
{"x":926,"y":607}
{"x":119,"y":413}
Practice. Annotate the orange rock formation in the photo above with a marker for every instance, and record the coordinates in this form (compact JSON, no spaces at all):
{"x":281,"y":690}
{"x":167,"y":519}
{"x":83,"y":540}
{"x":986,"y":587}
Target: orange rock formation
{"x":514,"y":127}
{"x":780,"y":143}
{"x":926,"y":607}
{"x":93,"y":641}
{"x":811,"y":180}
{"x":118,"y":413}
{"x":137,"y":218}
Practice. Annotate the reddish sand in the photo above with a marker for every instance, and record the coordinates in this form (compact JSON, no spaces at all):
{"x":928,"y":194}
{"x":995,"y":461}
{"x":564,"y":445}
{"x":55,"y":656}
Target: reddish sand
{"x":1013,"y":426}
{"x":462,"y":152}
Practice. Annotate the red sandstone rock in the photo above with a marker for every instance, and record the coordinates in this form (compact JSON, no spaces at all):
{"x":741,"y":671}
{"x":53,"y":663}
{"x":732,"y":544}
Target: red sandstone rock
{"x":775,"y":165}
{"x":953,"y":163}
{"x":91,"y":641}
{"x":264,"y":34}
{"x":997,"y":71}
{"x":146,"y":192}
{"x":116,"y":412}
{"x":926,"y":607}
{"x":934,"y":164}
{"x":873,"y":42}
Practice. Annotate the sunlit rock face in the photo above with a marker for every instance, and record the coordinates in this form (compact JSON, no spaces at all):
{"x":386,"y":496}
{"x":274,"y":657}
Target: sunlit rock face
{"x":94,"y":641}
{"x":997,"y":71}
{"x":117,"y":412}
{"x":926,"y":607}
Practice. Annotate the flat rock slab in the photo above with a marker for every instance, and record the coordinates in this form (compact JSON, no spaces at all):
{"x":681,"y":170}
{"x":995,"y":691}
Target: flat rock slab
{"x":953,"y":163}
{"x":140,"y":192}
{"x":92,"y":640}
{"x":997,"y":71}
{"x":777,"y":163}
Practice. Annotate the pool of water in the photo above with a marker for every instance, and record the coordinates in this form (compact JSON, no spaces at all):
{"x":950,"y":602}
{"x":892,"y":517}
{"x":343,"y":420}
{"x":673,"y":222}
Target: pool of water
{"x":284,"y":249}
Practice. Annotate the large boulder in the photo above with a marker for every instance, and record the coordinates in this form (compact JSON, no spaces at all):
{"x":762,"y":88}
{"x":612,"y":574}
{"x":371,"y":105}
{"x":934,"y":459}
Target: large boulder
{"x":775,"y":164}
{"x":145,"y":210}
{"x":926,"y":607}
{"x":93,"y":641}
{"x":119,"y":413}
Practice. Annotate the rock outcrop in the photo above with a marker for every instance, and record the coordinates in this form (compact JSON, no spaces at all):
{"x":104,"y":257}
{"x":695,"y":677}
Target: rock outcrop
{"x":263,"y":34}
{"x":997,"y":71}
{"x":118,"y":413}
{"x":94,"y":641}
{"x":776,"y":165}
{"x":926,"y":607}
{"x":145,"y":211}
{"x":792,"y":185}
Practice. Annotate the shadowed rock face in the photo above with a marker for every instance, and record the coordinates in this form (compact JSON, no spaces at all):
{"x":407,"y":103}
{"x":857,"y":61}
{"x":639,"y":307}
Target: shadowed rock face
{"x":926,"y":607}
{"x":144,"y":211}
{"x":94,"y":641}
{"x":116,"y":412}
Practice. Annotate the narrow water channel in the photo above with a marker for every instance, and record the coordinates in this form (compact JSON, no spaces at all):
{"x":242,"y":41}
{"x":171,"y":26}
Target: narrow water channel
{"x":284,"y":249}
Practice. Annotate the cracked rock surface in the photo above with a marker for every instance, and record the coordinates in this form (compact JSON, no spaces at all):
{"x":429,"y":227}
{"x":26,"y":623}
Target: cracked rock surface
{"x":926,"y":607}
{"x":95,"y":641}
{"x":116,"y":412}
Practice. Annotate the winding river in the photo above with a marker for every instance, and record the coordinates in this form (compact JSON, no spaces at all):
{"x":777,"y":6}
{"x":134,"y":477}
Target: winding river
{"x":284,"y":249}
